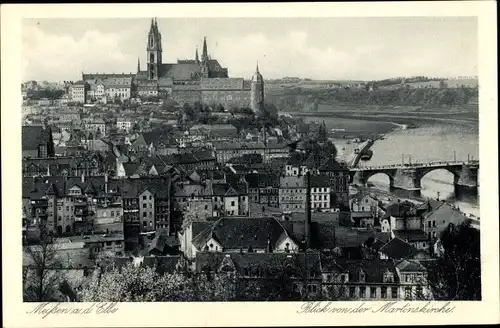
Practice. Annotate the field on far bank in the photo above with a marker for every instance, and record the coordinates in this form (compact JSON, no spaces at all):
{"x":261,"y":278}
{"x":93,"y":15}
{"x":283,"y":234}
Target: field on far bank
{"x":377,"y":119}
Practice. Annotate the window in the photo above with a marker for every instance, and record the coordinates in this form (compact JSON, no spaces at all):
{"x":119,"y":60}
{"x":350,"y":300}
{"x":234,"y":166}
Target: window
{"x":312,"y":288}
{"x":428,"y":224}
{"x":113,"y":213}
{"x":232,"y":203}
{"x":144,"y":205}
{"x":434,"y":223}
{"x":342,"y":278}
{"x":143,"y":197}
{"x":420,"y":293}
{"x":373,"y":292}
{"x":362,"y":276}
{"x":388,"y":276}
{"x":362,"y":292}
{"x":144,"y":224}
{"x":352,"y":291}
{"x":394,"y":292}
{"x":407,"y":293}
{"x":434,"y":234}
{"x":144,"y":214}
{"x":67,"y":208}
{"x":383,"y":292}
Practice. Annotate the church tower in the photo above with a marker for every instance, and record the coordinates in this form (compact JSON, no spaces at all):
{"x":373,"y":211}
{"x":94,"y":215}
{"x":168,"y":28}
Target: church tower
{"x":204,"y":59}
{"x":257,"y":92}
{"x":154,"y":51}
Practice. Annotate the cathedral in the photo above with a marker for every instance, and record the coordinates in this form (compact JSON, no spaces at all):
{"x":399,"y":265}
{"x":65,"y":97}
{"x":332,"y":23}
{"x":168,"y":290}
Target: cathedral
{"x":187,"y":81}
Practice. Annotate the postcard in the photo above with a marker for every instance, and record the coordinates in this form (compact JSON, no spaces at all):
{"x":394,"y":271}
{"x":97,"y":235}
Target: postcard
{"x":253,"y":164}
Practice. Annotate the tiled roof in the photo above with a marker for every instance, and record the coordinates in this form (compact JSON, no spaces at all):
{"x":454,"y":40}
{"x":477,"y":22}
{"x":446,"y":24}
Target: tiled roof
{"x":398,"y":249}
{"x":374,"y":270}
{"x":262,"y":180}
{"x":238,"y":145}
{"x":235,"y":233}
{"x":226,"y":189}
{"x":410,"y":266}
{"x":400,"y":209}
{"x":276,"y":261}
{"x":188,"y":190}
{"x":447,"y":214}
{"x":158,"y":186}
{"x":183,"y":71}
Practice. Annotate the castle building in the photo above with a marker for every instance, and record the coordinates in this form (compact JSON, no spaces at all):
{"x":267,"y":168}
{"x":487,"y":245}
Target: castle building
{"x":187,"y":81}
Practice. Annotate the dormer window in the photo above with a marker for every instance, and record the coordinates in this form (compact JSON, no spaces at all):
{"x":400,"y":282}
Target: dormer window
{"x":362,"y":276}
{"x":388,"y":276}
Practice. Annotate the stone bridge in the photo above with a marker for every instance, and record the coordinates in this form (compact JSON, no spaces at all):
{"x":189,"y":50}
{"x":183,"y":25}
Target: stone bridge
{"x":409,"y":176}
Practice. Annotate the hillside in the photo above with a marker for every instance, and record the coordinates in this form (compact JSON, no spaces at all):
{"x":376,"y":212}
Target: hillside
{"x":305,"y":99}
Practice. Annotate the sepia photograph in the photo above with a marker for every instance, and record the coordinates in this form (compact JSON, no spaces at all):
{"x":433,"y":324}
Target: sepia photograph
{"x":309,"y":160}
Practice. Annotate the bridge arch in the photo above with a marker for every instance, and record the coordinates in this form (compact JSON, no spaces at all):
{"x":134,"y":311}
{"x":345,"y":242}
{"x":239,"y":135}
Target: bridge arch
{"x":369,"y":175}
{"x":450,"y":171}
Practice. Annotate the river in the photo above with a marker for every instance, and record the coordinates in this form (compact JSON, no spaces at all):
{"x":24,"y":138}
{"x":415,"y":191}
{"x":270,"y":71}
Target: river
{"x":427,"y":142}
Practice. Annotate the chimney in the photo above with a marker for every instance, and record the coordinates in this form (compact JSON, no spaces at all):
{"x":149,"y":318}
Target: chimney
{"x":308,"y":210}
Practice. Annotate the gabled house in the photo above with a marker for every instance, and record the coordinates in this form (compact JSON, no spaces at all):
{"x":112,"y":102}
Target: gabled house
{"x":230,"y":199}
{"x":237,"y":235}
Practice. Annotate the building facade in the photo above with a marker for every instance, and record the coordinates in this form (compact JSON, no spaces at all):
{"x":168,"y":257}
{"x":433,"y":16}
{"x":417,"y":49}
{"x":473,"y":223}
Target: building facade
{"x":187,"y":81}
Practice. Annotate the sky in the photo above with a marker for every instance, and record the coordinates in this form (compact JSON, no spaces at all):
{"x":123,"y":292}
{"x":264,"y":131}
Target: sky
{"x":316,"y":48}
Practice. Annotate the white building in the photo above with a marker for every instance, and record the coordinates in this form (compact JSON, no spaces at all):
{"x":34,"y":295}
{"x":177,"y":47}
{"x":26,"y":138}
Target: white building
{"x":78,"y":92}
{"x":124,"y":124}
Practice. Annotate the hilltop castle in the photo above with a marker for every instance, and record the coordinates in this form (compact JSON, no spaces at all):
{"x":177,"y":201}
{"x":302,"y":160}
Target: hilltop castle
{"x":186,"y":81}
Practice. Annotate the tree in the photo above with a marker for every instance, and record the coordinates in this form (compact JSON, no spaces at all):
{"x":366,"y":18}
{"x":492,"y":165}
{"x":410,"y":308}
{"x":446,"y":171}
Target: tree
{"x":456,"y":275}
{"x":128,"y":284}
{"x":41,"y":279}
{"x":137,"y":283}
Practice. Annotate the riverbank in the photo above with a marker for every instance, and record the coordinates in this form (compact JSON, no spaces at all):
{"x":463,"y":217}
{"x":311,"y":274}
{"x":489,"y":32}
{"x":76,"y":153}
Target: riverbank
{"x":373,"y":120}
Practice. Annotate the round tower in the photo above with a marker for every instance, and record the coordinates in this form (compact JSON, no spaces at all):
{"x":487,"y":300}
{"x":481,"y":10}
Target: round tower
{"x":257,"y":92}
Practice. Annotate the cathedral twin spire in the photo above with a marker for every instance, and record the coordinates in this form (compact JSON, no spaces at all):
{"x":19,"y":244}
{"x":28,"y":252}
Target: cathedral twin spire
{"x":204,"y":56}
{"x":154,"y":42}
